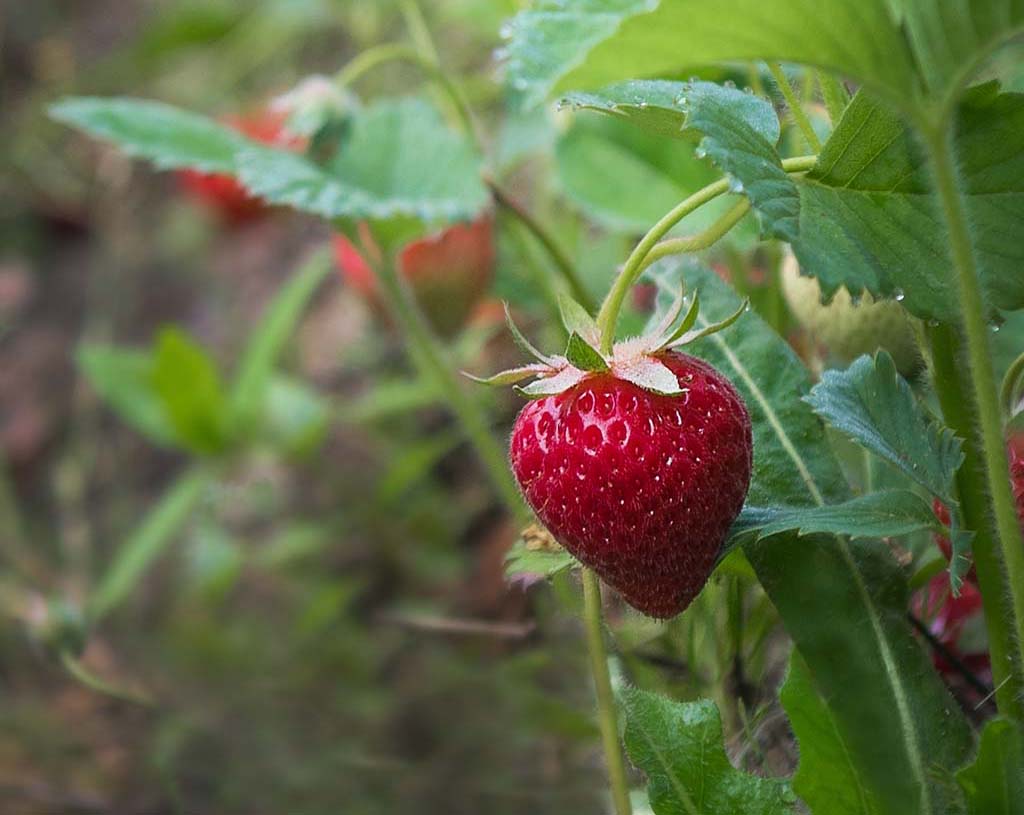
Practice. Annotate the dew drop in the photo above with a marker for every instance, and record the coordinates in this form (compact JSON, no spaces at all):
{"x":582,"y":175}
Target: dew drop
{"x":900,"y":296}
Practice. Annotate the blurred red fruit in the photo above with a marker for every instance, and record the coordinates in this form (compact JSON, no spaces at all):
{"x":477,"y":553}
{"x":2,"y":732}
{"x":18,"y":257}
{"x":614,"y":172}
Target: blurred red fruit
{"x":449,"y":272}
{"x":224,"y":195}
{"x":948,"y":619}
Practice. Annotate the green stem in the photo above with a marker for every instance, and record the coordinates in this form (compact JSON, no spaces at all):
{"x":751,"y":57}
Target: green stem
{"x":607,"y":719}
{"x":90,"y":680}
{"x":702,"y":240}
{"x":609,"y":313}
{"x":939,"y":144}
{"x":561,"y":260}
{"x":158,"y":529}
{"x":431,"y":360}
{"x":795,"y":108}
{"x":835,"y":95}
{"x":953,"y":388}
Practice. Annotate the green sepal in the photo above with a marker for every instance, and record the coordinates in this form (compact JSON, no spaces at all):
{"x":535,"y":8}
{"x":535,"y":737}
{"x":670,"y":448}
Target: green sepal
{"x":583,"y":355}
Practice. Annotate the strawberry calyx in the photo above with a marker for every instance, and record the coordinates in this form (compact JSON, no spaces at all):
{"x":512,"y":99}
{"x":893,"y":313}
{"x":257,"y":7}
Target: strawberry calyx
{"x":634,"y":360}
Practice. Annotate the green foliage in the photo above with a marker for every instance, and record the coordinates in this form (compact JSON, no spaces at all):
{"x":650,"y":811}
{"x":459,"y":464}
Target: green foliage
{"x":678,"y":745}
{"x":524,"y":560}
{"x":399,"y":160}
{"x":868,"y":221}
{"x":187,"y":382}
{"x":834,"y":598}
{"x":994,"y":783}
{"x":826,"y":780}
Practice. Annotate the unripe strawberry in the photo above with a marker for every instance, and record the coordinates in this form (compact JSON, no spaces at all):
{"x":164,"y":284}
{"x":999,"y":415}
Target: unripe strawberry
{"x":642,"y":487}
{"x":222,"y":193}
{"x":448,"y":273}
{"x":849,"y":329}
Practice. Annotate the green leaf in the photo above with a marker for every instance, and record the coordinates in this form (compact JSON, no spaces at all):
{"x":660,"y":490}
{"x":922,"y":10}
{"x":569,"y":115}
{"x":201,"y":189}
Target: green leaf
{"x":576,"y":319}
{"x":268,"y":340}
{"x":524,"y":561}
{"x":678,"y":745}
{"x":826,"y":779}
{"x":190,"y":389}
{"x":872,"y":404}
{"x":994,"y":783}
{"x":624,"y":178}
{"x":584,"y":356}
{"x":655,"y":106}
{"x":124,"y":379}
{"x":295,"y":416}
{"x":400,"y":160}
{"x":844,"y":605}
{"x":167,"y":136}
{"x":868,"y":220}
{"x":878,"y":515}
{"x":746,"y":155}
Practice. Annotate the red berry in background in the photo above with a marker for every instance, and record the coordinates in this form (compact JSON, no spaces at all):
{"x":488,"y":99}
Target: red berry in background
{"x":949,"y":618}
{"x":222,"y":193}
{"x":640,"y":486}
{"x":448,"y":273}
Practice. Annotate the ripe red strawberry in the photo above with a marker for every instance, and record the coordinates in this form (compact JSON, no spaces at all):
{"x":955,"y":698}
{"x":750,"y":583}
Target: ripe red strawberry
{"x":640,"y":486}
{"x":954,"y":621}
{"x":449,"y":272}
{"x":222,"y":193}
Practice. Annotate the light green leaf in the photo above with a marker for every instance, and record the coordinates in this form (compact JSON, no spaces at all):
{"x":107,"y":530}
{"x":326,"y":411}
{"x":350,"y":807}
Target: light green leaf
{"x":190,"y":388}
{"x":678,"y":745}
{"x":124,"y":379}
{"x":834,"y":597}
{"x":524,"y":561}
{"x":584,"y":356}
{"x":167,"y":136}
{"x":826,"y":780}
{"x":400,"y":160}
{"x":868,"y":219}
{"x":655,"y":105}
{"x":872,"y":404}
{"x":576,"y":319}
{"x":269,"y":338}
{"x":295,"y":416}
{"x":994,"y":782}
{"x":878,"y":515}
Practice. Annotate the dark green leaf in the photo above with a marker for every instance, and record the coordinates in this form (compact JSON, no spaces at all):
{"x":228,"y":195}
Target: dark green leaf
{"x":584,"y":356}
{"x":994,"y":783}
{"x":400,"y":160}
{"x":878,"y":515}
{"x":269,"y":338}
{"x":190,"y":389}
{"x":873,"y":405}
{"x":169,"y":137}
{"x":826,"y":779}
{"x":678,"y":745}
{"x":868,"y":219}
{"x":124,"y":379}
{"x":844,"y":605}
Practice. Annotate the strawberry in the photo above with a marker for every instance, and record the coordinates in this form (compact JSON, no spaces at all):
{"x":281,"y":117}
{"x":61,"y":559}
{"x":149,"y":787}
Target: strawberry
{"x":448,"y":272}
{"x":637,"y":461}
{"x":222,"y":193}
{"x":954,"y":622}
{"x":849,"y":329}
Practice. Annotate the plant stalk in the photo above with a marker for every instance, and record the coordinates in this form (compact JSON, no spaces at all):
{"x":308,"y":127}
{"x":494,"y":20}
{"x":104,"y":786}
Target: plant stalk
{"x":1010,"y":542}
{"x":835,"y":95}
{"x":431,"y":359}
{"x":702,"y":240}
{"x":543,"y":237}
{"x":606,"y":710}
{"x":795,"y":108}
{"x":609,"y":313}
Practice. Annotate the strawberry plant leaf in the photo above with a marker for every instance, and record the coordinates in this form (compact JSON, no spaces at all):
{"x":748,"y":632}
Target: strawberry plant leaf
{"x":124,"y":379}
{"x":167,"y":136}
{"x":994,"y":783}
{"x":826,"y":778}
{"x":868,"y":220}
{"x":584,"y":356}
{"x":551,"y":385}
{"x":678,"y":746}
{"x":511,"y":376}
{"x":400,"y":160}
{"x":295,"y":416}
{"x":520,"y":340}
{"x":577,"y":320}
{"x":524,"y":561}
{"x":874,"y":406}
{"x":190,"y":389}
{"x":877,"y":515}
{"x":894,"y":713}
{"x":656,"y":106}
{"x":648,"y":373}
{"x":268,"y":340}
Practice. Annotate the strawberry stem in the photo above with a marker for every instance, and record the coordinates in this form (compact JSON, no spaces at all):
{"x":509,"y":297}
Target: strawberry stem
{"x":608,"y":316}
{"x":980,"y":375}
{"x":606,"y":709}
